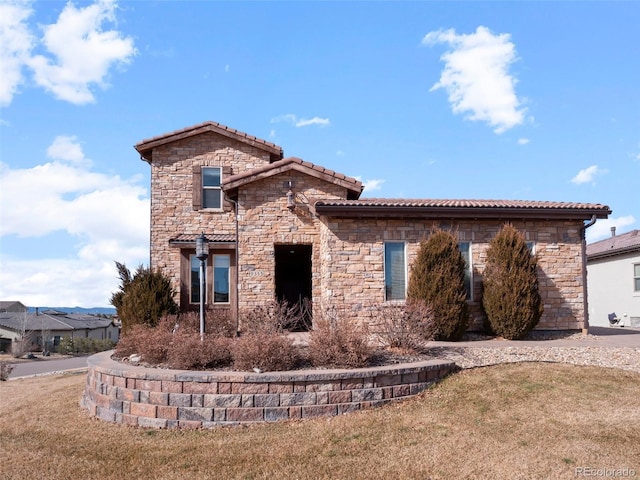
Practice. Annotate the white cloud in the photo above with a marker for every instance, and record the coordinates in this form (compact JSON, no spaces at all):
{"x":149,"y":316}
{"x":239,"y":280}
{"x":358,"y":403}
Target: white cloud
{"x":105,"y":218}
{"x":523,"y":141}
{"x":301,"y":122}
{"x":67,"y":148}
{"x":16,"y":43}
{"x":602,"y":228}
{"x":588,"y":175}
{"x":78,"y":51}
{"x":476,"y":76}
{"x":371,"y":185}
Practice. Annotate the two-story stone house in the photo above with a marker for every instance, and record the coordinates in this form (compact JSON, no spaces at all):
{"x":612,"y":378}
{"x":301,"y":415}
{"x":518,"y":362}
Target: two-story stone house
{"x":282,"y":228}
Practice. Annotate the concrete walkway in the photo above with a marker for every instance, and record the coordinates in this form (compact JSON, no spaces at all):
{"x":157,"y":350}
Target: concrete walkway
{"x":597,"y":337}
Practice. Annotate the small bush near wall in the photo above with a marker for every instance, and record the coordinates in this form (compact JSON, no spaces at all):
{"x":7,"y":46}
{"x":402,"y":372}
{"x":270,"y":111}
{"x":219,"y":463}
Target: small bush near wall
{"x":337,"y":341}
{"x":82,"y":345}
{"x":403,"y":326}
{"x":263,"y":351}
{"x":437,"y":278}
{"x":510,"y":298}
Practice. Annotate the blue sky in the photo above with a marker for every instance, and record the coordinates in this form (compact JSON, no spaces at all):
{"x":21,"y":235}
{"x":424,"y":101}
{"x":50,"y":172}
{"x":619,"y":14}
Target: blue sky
{"x":507,"y":100}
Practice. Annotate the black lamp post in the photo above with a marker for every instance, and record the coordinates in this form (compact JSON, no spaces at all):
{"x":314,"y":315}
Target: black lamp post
{"x":202,"y":252}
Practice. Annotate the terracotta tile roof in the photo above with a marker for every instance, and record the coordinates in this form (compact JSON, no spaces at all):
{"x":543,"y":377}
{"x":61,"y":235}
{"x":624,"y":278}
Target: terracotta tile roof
{"x":402,"y":207}
{"x":146,"y":146}
{"x":212,"y":237}
{"x":232,"y":183}
{"x":615,"y":245}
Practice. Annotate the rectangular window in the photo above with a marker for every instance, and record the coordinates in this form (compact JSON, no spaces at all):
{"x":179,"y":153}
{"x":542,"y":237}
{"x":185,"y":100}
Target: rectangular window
{"x":194,"y":296}
{"x":211,"y":187}
{"x":395,"y":271}
{"x":465,"y":249}
{"x":636,"y":277}
{"x":221,"y":264}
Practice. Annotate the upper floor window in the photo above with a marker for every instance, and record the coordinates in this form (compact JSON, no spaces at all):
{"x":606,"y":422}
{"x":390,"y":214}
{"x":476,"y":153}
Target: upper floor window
{"x":395,"y":271}
{"x":636,"y":277}
{"x":211,"y":187}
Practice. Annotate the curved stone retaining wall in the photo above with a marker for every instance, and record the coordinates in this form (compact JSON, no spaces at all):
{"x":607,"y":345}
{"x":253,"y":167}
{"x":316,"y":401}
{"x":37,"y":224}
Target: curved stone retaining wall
{"x":148,"y":397}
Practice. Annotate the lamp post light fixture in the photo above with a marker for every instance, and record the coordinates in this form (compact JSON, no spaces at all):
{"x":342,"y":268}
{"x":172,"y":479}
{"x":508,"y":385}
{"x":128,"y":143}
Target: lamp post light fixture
{"x":202,"y":252}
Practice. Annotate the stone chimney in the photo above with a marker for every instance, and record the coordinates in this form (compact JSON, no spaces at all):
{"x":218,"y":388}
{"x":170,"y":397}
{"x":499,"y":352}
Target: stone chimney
{"x":613,"y":231}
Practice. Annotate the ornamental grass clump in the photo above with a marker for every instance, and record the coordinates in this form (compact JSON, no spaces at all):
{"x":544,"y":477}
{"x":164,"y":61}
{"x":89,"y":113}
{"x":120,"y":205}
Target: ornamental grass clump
{"x":437,"y":279}
{"x":510,"y":299}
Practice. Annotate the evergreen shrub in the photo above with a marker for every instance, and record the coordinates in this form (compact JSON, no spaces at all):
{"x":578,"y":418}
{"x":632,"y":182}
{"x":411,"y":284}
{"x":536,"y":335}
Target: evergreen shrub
{"x":144,"y":297}
{"x":437,"y":279}
{"x":510,"y":299}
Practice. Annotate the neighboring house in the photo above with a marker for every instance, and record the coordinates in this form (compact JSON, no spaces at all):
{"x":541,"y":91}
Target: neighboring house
{"x":12,"y":307}
{"x":613,"y":269}
{"x":53,"y":325}
{"x":286,"y":229}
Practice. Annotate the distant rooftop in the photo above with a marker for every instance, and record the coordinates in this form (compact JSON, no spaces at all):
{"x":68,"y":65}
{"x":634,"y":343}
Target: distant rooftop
{"x":614,"y":245}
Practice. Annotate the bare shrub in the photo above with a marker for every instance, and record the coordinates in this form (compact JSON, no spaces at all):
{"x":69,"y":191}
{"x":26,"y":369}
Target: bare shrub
{"x":272,"y":318}
{"x":152,"y":344}
{"x":338,"y":342}
{"x":5,"y":370}
{"x":264,"y":351}
{"x":218,"y":322}
{"x":188,"y":352}
{"x":404,"y":326}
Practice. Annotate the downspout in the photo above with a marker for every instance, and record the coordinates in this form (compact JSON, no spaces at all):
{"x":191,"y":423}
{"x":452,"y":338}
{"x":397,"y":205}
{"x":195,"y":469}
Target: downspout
{"x":237,"y":306}
{"x":585,"y":307}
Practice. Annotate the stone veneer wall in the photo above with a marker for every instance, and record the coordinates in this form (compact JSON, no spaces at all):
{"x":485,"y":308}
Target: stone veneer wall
{"x":156,"y":398}
{"x":265,"y":221}
{"x":353,"y":262}
{"x":172,"y":210}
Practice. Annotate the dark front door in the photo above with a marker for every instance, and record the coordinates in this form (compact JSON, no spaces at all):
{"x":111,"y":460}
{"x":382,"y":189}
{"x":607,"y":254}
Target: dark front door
{"x":293,"y":281}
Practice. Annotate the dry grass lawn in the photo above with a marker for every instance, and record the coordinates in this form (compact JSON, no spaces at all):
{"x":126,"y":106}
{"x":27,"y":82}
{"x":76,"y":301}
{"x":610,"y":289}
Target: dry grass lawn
{"x":509,"y":421}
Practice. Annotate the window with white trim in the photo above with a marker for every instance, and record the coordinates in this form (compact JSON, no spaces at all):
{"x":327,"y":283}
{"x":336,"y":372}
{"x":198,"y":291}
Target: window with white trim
{"x":221,"y":269}
{"x":636,"y":277}
{"x":212,"y":187}
{"x":221,"y":264}
{"x":395,"y":271}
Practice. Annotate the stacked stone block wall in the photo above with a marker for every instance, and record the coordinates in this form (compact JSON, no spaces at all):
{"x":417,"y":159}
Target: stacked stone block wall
{"x":353,"y":262}
{"x":144,"y":397}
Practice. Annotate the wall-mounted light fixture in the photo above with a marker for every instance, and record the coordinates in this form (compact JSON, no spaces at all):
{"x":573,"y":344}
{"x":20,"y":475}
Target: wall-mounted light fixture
{"x":291,"y":200}
{"x":291,"y":197}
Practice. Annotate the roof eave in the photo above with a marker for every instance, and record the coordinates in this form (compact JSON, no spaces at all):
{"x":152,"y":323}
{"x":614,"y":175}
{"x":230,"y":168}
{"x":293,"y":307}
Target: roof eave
{"x":402,"y":211}
{"x":145,"y":147}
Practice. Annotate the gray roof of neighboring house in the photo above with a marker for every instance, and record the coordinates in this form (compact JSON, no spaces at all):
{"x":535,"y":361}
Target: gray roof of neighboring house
{"x":60,"y":321}
{"x":615,"y":245}
{"x":12,"y":306}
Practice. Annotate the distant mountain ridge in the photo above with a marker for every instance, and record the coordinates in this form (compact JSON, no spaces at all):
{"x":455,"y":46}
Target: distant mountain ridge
{"x":86,"y":311}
